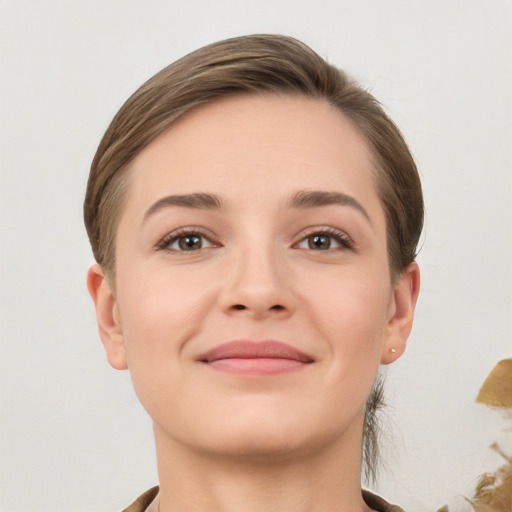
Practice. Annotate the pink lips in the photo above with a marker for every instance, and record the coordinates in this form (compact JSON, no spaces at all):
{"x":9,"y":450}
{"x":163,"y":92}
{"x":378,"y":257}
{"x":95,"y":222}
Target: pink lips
{"x":255,"y":358}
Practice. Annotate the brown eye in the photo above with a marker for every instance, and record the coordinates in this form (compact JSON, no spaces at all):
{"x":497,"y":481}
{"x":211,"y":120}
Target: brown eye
{"x":327,"y":239}
{"x":190,"y":242}
{"x":319,"y":242}
{"x":185,"y":241}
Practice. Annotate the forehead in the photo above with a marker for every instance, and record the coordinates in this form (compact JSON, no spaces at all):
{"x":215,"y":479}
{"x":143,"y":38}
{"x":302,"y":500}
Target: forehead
{"x":247,"y":147}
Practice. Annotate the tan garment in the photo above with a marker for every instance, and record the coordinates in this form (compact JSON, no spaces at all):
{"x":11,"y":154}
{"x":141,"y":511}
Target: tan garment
{"x":372,"y":500}
{"x":377,"y":503}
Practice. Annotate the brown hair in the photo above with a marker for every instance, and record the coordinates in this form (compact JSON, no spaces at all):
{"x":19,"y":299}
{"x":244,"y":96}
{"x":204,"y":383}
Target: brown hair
{"x":255,"y":64}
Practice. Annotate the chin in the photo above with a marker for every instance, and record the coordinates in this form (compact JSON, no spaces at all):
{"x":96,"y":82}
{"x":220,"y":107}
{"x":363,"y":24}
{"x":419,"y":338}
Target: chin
{"x":264,"y":437}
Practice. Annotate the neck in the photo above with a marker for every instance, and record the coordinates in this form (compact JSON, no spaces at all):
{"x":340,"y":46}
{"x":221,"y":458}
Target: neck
{"x":317,"y":480}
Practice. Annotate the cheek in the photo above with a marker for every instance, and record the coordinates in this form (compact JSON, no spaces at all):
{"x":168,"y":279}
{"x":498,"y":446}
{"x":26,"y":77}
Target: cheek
{"x":349,"y":311}
{"x":160,"y":310}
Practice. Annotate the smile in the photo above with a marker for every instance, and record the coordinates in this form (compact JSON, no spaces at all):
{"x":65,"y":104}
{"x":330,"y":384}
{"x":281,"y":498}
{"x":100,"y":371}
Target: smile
{"x":244,"y":357}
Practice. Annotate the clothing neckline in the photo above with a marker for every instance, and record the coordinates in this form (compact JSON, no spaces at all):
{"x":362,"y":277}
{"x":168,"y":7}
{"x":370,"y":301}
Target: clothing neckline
{"x":143,"y":502}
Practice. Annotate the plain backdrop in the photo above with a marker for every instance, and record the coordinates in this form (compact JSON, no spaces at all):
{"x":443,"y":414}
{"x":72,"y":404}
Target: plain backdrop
{"x":73,"y":436}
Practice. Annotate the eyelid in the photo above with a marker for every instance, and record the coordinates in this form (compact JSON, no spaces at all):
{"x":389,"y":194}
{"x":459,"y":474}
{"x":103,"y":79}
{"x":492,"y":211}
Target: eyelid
{"x":164,"y":243}
{"x":344,"y":240}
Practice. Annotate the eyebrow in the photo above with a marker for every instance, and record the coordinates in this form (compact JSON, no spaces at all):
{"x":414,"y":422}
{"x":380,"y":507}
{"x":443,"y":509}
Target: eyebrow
{"x":200,"y":200}
{"x":315,"y":198}
{"x":302,"y":199}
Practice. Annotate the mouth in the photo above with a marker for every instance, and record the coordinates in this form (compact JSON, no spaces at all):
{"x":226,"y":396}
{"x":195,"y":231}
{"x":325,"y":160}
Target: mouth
{"x":243,"y":357}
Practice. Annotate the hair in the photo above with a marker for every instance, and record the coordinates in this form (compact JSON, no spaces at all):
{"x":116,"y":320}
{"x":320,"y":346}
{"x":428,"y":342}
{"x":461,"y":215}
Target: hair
{"x":257,"y":64}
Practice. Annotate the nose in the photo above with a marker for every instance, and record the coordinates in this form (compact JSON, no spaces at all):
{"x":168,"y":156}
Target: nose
{"x":258,"y":285}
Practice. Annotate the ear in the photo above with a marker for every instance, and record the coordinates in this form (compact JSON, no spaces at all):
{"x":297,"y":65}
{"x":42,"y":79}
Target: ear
{"x":401,"y":313}
{"x":107,"y":316}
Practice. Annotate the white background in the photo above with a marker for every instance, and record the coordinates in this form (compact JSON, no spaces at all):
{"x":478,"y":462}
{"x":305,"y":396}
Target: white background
{"x":73,"y":437}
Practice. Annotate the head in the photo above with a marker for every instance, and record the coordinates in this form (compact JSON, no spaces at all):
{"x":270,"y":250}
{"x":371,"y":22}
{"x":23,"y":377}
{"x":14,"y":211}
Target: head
{"x":273,"y":66}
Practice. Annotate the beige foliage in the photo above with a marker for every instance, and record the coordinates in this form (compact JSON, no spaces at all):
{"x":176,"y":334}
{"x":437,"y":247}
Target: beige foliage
{"x":496,"y":391}
{"x":493,"y":491}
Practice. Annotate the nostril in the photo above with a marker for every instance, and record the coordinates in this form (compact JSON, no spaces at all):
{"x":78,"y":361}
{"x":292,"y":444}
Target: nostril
{"x":242,"y":307}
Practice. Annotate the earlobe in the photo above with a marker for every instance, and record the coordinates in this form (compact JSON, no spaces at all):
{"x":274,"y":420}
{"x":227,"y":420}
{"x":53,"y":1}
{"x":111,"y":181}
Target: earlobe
{"x":405,"y":295}
{"x":107,"y":317}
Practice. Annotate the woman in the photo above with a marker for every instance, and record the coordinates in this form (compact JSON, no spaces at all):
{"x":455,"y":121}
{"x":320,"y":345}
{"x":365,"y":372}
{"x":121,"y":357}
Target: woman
{"x":254,"y":215}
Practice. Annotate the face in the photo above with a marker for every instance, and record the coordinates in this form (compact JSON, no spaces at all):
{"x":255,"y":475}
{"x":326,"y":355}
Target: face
{"x":253,"y":301}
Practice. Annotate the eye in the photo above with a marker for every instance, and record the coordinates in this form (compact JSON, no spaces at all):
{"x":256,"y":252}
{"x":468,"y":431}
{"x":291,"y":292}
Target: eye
{"x":324,"y":240}
{"x":185,"y":241}
{"x":189,"y":243}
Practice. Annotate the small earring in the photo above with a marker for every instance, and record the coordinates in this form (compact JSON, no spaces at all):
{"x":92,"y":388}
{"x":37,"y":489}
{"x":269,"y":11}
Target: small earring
{"x":392,"y":350}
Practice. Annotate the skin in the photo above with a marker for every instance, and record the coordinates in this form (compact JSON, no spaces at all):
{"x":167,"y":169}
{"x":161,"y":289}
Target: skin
{"x":237,"y":441}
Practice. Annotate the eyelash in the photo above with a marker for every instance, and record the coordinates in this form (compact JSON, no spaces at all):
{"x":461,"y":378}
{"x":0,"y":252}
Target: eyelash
{"x":341,"y":238}
{"x":166,"y":242}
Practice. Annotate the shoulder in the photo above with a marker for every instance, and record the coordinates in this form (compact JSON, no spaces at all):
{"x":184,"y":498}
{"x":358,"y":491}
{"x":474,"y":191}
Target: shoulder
{"x":143,"y":501}
{"x":379,"y":504}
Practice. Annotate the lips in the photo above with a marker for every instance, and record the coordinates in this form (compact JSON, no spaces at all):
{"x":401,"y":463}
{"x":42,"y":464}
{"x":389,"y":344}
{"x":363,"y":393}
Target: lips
{"x":255,"y":358}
